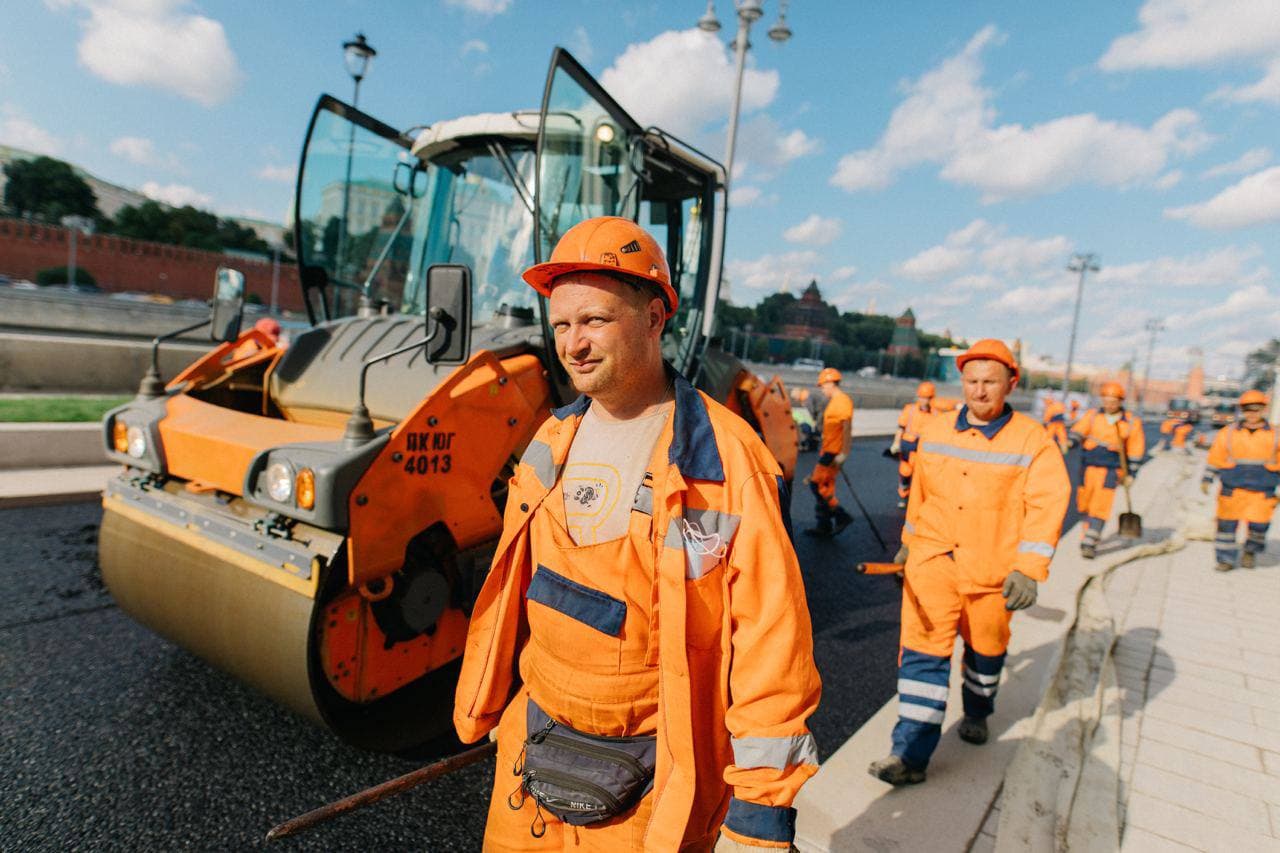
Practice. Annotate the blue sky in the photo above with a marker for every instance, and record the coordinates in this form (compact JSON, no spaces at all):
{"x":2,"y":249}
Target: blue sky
{"x":947,"y":156}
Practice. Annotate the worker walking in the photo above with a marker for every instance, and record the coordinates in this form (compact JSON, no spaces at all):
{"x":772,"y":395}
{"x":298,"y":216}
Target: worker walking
{"x":837,"y":438}
{"x":1175,"y":432}
{"x":988,"y":497}
{"x":1243,"y":458}
{"x":642,"y":643}
{"x":910,"y":424}
{"x":1101,"y":433}
{"x":1055,"y":422}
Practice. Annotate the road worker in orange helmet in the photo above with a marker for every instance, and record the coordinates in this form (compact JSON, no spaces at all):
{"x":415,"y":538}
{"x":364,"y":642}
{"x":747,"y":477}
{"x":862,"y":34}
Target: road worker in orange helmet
{"x":1055,"y":422}
{"x":1243,"y":457}
{"x":988,"y":496}
{"x":910,"y":423}
{"x":1101,"y":433}
{"x":1176,"y":431}
{"x":837,"y":439}
{"x":617,"y":729}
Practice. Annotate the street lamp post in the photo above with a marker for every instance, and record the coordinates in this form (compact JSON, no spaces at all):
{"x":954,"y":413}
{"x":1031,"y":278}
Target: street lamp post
{"x":1153,"y":327}
{"x":749,"y":11}
{"x":1081,"y":264}
{"x":357,"y":54}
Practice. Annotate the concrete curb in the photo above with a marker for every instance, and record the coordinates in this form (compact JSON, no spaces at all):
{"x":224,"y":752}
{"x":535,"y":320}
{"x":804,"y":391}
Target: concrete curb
{"x":47,"y":486}
{"x":50,"y":445}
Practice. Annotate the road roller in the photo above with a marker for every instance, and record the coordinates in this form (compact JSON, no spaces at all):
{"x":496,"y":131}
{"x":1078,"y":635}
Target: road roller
{"x":316,"y":516}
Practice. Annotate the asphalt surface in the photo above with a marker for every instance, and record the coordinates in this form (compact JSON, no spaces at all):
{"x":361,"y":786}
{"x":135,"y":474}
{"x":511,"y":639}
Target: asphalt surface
{"x":114,"y":739}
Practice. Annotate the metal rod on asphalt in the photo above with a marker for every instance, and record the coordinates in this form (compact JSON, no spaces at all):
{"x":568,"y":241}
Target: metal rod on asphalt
{"x":874,"y":531}
{"x":380,"y":792}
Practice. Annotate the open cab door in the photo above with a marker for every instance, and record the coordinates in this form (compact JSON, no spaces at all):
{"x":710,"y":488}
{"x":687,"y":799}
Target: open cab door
{"x":594,"y":159}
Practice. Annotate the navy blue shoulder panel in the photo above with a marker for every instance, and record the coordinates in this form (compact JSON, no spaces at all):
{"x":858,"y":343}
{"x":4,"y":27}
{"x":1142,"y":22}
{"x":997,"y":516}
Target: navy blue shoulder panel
{"x":577,"y":407}
{"x":693,"y":443}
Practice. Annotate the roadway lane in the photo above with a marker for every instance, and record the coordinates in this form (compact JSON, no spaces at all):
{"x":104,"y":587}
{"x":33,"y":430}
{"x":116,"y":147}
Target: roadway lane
{"x":112,"y":738}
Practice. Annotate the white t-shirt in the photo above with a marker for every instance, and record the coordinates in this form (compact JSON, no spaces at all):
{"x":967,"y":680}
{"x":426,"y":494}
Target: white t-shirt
{"x":606,"y":466}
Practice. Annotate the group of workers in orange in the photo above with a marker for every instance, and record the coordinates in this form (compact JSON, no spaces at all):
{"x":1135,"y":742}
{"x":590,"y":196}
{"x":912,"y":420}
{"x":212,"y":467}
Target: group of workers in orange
{"x":641,"y":650}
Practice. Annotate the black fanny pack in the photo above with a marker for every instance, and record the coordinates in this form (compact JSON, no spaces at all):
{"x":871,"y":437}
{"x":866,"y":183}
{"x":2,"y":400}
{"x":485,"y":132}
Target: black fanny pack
{"x":582,"y":778}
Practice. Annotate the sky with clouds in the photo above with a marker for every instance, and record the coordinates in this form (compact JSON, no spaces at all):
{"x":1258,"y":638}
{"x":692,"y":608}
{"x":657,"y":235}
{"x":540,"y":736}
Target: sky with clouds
{"x":950,"y":157}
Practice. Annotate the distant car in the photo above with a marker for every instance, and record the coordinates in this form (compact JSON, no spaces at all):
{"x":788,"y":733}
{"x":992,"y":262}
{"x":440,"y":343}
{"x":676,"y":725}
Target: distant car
{"x":23,"y":284}
{"x":808,"y":364}
{"x":868,"y":372}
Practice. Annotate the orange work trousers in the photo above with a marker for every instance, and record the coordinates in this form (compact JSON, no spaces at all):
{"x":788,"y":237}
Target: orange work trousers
{"x":935,"y":609}
{"x":1097,"y":492}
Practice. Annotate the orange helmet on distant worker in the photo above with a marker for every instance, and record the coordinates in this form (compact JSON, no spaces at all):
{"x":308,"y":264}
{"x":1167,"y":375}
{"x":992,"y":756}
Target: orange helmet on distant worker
{"x":610,"y":245}
{"x":926,"y":389}
{"x":829,"y":374}
{"x":1111,"y":389}
{"x":988,"y":349}
{"x":1253,"y":398}
{"x":269,"y":326}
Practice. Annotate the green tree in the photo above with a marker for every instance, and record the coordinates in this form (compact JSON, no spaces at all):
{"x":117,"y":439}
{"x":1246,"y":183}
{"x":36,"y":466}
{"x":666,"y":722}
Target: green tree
{"x":46,"y":189}
{"x":58,"y":275}
{"x":184,"y":226}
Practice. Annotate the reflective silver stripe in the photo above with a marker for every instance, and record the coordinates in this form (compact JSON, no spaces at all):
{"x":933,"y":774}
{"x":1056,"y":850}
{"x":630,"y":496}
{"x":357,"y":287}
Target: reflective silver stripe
{"x":1022,"y":460}
{"x":776,"y":752}
{"x":1243,"y":462}
{"x":923,"y":689}
{"x":979,"y":689}
{"x":705,"y":535}
{"x":980,"y":678}
{"x":644,"y":499}
{"x":909,"y":527}
{"x":1044,"y":549}
{"x":538,"y":457}
{"x":919,"y":713}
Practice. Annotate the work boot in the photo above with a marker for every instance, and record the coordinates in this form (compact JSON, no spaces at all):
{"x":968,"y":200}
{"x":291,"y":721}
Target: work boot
{"x":820,"y":530}
{"x":1224,"y":566}
{"x":1088,"y":551}
{"x":973,"y":730}
{"x":1248,"y":560}
{"x":895,"y":771}
{"x":841,"y":520}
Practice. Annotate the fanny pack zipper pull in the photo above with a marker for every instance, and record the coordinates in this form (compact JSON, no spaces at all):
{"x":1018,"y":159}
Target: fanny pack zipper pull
{"x":541,"y":735}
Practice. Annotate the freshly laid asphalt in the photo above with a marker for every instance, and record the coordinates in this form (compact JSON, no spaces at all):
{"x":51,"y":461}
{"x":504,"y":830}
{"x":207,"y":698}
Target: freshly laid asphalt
{"x":114,"y":739}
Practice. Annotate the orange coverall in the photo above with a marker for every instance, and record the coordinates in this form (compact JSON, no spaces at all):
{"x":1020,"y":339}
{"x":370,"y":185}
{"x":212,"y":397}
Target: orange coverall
{"x":836,"y":418}
{"x":1100,"y":442}
{"x":912,"y":422}
{"x":1245,"y":463}
{"x":717,"y":658}
{"x":985,"y":500}
{"x":1175,"y":431}
{"x":1055,"y":422}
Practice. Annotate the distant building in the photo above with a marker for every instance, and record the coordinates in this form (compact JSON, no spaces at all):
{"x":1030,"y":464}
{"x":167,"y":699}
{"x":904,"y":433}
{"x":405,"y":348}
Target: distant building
{"x":809,"y":319}
{"x":905,"y":340}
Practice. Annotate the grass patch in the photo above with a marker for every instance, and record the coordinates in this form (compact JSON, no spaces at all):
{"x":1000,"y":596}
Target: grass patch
{"x":56,"y":409}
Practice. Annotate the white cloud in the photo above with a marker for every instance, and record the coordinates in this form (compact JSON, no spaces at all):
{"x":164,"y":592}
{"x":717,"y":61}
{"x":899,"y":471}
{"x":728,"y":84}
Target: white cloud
{"x":279,"y":174}
{"x":1266,"y":90}
{"x":487,"y":8}
{"x":1168,"y":180}
{"x":813,"y":231}
{"x":1252,"y":201}
{"x":18,"y":130}
{"x":744,"y":195}
{"x":157,"y":43}
{"x":772,"y":273}
{"x":681,"y":80}
{"x":1196,"y":33}
{"x":947,"y":118}
{"x":842,"y":273}
{"x":580,"y":43}
{"x":475,"y":46}
{"x":1251,"y":301}
{"x":1249,"y":161}
{"x":176,"y":195}
{"x":1231,"y":265}
{"x":796,"y":144}
{"x":140,"y":150}
{"x":991,"y":250}
{"x":1033,"y":299}
{"x":935,"y":263}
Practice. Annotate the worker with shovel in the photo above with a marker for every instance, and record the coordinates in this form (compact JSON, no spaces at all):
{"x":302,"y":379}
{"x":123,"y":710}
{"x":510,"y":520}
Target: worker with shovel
{"x":1243,"y":458}
{"x":1112,"y":441}
{"x":988,"y":495}
{"x":837,"y":439}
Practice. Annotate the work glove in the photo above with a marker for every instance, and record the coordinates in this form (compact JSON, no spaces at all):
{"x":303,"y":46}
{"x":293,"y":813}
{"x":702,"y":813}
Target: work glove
{"x":1019,"y":591}
{"x":839,"y":460}
{"x":732,"y":845}
{"x":901,"y":557}
{"x":1128,"y":480}
{"x":1204,"y":486}
{"x":896,"y":448}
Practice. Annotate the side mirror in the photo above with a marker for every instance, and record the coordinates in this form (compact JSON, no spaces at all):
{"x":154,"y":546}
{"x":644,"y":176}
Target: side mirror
{"x":228,"y":305}
{"x":449,"y":308}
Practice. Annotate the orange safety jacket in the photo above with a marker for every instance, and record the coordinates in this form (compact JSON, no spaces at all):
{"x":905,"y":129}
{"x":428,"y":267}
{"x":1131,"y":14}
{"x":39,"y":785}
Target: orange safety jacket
{"x":1101,"y":440}
{"x":1055,"y":421}
{"x":734,"y":651}
{"x":835,"y":432}
{"x":912,"y":422}
{"x":991,"y":496}
{"x":1245,"y":459}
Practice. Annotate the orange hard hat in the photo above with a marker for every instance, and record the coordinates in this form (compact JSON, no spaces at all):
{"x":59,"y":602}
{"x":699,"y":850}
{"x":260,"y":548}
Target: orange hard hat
{"x":926,"y":389}
{"x":1111,"y":389}
{"x":1253,"y":398}
{"x":269,"y":326}
{"x":989,"y":349}
{"x":829,"y":374}
{"x":606,"y":244}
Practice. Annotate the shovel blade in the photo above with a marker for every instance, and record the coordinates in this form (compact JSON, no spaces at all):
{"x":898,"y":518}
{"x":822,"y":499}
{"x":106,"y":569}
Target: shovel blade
{"x":1130,"y":525}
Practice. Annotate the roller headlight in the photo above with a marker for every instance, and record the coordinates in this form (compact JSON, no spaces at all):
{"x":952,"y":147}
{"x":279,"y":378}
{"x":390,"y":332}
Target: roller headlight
{"x":136,"y":437}
{"x":280,"y":482}
{"x":120,"y":437}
